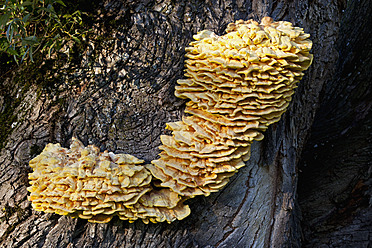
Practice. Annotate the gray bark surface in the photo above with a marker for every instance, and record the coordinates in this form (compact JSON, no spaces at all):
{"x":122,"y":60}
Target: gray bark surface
{"x":119,"y":94}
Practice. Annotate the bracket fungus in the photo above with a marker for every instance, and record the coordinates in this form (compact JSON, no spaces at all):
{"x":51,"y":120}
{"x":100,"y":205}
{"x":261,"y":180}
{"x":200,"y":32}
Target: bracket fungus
{"x":83,"y":182}
{"x":238,"y":84}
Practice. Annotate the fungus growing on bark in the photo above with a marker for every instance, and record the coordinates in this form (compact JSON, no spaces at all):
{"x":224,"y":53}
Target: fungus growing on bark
{"x":83,"y":182}
{"x":238,"y":84}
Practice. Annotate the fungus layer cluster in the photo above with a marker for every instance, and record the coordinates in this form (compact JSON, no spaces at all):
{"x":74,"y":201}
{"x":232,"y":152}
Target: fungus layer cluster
{"x":83,"y":182}
{"x":238,"y":84}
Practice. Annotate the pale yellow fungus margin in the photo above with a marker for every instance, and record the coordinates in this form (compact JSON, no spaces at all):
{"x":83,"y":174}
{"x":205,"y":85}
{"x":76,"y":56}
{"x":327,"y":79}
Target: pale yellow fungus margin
{"x":238,"y":84}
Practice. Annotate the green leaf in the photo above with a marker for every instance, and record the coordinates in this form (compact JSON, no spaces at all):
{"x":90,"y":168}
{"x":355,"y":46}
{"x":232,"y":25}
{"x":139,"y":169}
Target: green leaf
{"x":60,"y":2}
{"x":4,"y":20}
{"x":12,"y":51}
{"x":24,"y":55}
{"x":76,"y":39}
{"x":4,"y":44}
{"x":15,"y":59}
{"x":16,"y":20}
{"x":9,"y":32}
{"x":40,"y":9}
{"x":34,"y":2}
{"x":31,"y":38}
{"x":58,"y":45}
{"x":50,"y":9}
{"x":31,"y":41}
{"x":30,"y":53}
{"x":77,"y":12}
{"x":51,"y":48}
{"x":25,"y":18}
{"x":26,"y":3}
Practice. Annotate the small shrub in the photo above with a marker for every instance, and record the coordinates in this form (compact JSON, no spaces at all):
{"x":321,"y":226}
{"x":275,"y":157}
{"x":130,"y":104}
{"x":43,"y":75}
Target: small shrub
{"x":28,"y":27}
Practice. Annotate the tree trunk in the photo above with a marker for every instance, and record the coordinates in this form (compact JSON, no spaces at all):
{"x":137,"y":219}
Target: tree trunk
{"x":335,"y":185}
{"x":119,"y":93}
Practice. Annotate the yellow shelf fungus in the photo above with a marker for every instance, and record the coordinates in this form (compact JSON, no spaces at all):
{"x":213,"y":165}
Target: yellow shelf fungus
{"x":84,"y":182}
{"x":238,"y":84}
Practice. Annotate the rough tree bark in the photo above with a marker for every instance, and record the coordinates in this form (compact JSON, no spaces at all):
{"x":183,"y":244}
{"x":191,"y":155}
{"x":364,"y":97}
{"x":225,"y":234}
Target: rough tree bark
{"x":118,"y":95}
{"x":335,"y":185}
